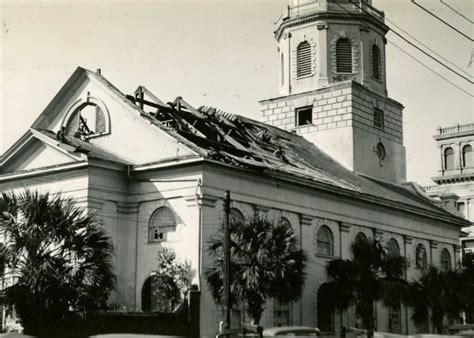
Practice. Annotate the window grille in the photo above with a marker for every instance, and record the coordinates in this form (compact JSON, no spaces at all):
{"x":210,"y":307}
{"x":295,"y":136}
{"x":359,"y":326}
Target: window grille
{"x":344,"y":56}
{"x":161,"y":223}
{"x":325,"y":242}
{"x":393,"y":248}
{"x":376,"y":61}
{"x":303,"y":59}
{"x":445,"y":260}
{"x":379,"y":118}
{"x":282,"y":67}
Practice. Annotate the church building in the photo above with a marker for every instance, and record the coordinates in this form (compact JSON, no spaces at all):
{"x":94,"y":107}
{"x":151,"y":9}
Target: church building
{"x":328,"y":158}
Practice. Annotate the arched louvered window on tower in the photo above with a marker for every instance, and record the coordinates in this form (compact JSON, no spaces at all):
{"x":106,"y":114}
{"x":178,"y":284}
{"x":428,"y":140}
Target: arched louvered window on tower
{"x":303,"y":59}
{"x":467,"y":156}
{"x":343,"y":56}
{"x":448,"y":158}
{"x":376,"y":61}
{"x":282,"y":68}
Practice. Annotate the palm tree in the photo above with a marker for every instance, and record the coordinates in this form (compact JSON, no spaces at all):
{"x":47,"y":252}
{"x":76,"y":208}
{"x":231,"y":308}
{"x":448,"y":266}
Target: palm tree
{"x":372,"y":275}
{"x":57,"y":257}
{"x":265,"y":263}
{"x":434,"y":297}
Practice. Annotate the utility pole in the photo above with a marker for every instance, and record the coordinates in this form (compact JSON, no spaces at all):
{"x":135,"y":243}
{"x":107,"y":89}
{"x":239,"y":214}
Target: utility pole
{"x":226,"y":272}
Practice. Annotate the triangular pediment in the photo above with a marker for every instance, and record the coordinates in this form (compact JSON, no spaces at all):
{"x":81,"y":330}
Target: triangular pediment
{"x":91,"y":109}
{"x":37,"y":152}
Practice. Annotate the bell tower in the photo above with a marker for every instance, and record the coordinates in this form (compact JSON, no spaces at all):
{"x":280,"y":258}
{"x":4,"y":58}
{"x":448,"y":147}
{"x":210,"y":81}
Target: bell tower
{"x":332,"y":85}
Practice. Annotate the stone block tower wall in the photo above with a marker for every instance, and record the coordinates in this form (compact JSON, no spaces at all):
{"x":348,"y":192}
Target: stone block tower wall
{"x":343,"y":126}
{"x":333,"y":85}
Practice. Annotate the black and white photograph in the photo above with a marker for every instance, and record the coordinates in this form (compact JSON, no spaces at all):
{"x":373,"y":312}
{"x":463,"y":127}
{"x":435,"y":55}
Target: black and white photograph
{"x":236,"y":168}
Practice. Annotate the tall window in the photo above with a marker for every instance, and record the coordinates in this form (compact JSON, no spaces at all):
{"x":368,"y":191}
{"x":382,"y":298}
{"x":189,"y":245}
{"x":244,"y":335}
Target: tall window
{"x":379,"y":120}
{"x":325,"y":241}
{"x":445,"y":260}
{"x":393,"y":248}
{"x":281,"y":313}
{"x":467,"y":157}
{"x":448,"y":158}
{"x":303,"y":59}
{"x":376,"y":60}
{"x":282,"y":68}
{"x":162,"y":222}
{"x":325,"y":309}
{"x":421,"y":260}
{"x":343,"y":56}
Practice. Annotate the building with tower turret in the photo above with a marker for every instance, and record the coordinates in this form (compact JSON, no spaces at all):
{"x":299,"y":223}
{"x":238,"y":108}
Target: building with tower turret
{"x":333,"y":86}
{"x":327,"y":159}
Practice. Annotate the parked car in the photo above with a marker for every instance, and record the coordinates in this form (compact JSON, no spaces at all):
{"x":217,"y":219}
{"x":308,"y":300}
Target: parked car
{"x":292,"y":331}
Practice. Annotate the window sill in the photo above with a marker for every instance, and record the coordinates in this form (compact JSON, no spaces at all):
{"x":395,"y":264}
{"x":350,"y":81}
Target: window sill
{"x":304,"y":76}
{"x":156,"y":242}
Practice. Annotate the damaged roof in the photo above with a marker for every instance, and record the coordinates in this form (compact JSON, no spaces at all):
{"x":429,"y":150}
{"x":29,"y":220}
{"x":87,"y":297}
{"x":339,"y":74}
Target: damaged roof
{"x":244,"y":143}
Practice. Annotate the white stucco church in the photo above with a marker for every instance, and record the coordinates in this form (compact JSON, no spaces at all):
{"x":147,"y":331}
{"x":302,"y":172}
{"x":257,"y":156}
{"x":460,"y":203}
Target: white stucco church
{"x":328,"y":157}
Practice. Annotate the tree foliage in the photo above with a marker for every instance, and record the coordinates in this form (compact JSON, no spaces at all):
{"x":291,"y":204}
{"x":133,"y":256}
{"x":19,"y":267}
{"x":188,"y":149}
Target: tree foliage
{"x":434,"y":297}
{"x":371,"y":275}
{"x":57,"y":257}
{"x":170,"y":281}
{"x":265,"y":263}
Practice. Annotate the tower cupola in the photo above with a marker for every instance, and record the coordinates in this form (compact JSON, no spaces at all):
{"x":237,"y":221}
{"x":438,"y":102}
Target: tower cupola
{"x":327,"y":41}
{"x":332,"y":85}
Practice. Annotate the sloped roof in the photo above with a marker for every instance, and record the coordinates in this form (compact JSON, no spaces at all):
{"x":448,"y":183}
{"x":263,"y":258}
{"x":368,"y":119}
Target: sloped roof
{"x":84,"y":147}
{"x":245,"y":143}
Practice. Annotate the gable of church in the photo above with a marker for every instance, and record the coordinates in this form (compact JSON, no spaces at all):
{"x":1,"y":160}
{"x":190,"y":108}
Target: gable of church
{"x":88,"y":109}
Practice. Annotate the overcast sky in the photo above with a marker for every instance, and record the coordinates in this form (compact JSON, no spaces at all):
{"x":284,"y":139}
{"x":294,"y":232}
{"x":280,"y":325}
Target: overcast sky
{"x":219,"y":53}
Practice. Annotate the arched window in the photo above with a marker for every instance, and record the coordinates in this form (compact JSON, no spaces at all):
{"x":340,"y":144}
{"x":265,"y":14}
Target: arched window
{"x":325,"y":309}
{"x":325,"y":241}
{"x":303,"y":59}
{"x":282,"y":68}
{"x":393,"y":248}
{"x":236,"y":216}
{"x":361,"y":237}
{"x":343,"y":56}
{"x":86,"y":119}
{"x":448,"y":158}
{"x":376,"y":60}
{"x":467,"y":158}
{"x":421,"y":260}
{"x":445,"y":260}
{"x":162,"y":222}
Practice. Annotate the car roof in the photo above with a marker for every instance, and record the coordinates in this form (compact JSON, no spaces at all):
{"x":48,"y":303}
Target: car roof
{"x":283,"y":329}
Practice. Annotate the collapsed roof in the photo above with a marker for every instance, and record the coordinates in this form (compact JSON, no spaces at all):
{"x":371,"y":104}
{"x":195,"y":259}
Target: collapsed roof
{"x":247,"y":144}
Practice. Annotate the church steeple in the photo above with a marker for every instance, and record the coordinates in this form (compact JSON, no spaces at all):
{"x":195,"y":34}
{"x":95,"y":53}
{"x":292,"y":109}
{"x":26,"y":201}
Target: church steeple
{"x":327,"y":41}
{"x":333,"y":85}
